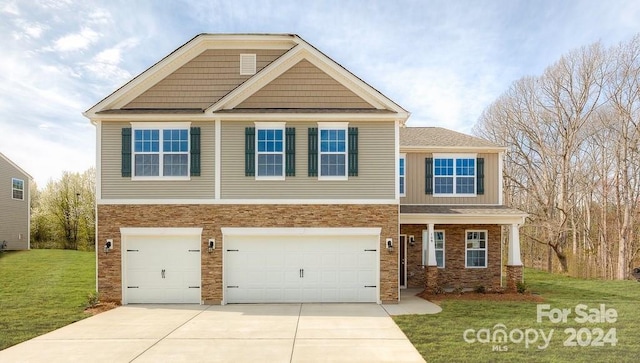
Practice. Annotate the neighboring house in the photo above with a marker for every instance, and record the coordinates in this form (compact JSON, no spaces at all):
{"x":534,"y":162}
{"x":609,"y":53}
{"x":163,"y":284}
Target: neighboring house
{"x":451,"y":203}
{"x":252,"y":168}
{"x":14,"y":206}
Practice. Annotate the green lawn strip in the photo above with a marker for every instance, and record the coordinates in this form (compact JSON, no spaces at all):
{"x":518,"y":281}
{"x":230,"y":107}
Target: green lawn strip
{"x":440,"y":337}
{"x":42,"y":290}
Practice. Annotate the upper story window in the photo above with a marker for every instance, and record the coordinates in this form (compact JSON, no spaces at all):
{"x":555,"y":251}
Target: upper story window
{"x":401,"y":175}
{"x":333,"y":153}
{"x":17,"y":189}
{"x":270,"y":153}
{"x":161,"y":152}
{"x":454,"y":175}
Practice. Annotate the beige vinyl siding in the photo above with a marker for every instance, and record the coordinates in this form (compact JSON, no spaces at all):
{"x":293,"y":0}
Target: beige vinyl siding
{"x":14,"y":214}
{"x":376,"y":161}
{"x":415,"y":182}
{"x":304,"y":86}
{"x":114,"y":186}
{"x":202,"y":81}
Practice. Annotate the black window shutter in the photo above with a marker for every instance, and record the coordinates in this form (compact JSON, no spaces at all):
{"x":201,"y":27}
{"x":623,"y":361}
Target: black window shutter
{"x":353,"y":151}
{"x":250,"y":151}
{"x":313,"y":151}
{"x":195,"y":151}
{"x":126,"y":152}
{"x":480,"y":176}
{"x":290,"y":152}
{"x":428,"y":175}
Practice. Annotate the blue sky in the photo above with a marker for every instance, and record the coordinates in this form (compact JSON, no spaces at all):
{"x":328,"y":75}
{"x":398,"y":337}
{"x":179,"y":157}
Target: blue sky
{"x":444,"y":61}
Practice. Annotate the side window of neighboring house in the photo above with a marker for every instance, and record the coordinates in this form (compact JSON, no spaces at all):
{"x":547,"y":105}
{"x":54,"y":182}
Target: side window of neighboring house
{"x":17,"y":189}
{"x":476,"y":249}
{"x":401,"y":175}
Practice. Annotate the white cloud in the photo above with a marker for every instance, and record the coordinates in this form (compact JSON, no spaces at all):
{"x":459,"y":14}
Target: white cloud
{"x":11,"y":8}
{"x":76,"y":41}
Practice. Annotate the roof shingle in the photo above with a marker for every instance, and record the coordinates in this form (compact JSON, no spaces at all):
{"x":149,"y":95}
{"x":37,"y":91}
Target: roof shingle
{"x":440,"y":137}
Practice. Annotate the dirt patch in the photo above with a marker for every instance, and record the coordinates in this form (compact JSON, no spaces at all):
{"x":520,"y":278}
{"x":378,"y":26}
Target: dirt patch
{"x":100,"y":308}
{"x":489,"y":296}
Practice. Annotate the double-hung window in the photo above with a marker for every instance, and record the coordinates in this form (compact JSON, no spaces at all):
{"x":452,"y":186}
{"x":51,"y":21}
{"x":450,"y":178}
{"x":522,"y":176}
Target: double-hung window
{"x":439,"y":247}
{"x":476,"y":249}
{"x":17,"y":189}
{"x":333,"y":153}
{"x":401,"y":175}
{"x":270,"y":153}
{"x":454,"y":175}
{"x":161,"y":152}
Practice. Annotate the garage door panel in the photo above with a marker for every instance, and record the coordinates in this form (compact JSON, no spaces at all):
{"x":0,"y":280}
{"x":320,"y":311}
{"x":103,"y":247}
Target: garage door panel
{"x":162,"y":269}
{"x":305,"y":268}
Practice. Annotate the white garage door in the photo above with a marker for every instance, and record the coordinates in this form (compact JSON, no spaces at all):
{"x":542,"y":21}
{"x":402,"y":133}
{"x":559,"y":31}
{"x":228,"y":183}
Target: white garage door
{"x":301,"y":268}
{"x":162,"y":269}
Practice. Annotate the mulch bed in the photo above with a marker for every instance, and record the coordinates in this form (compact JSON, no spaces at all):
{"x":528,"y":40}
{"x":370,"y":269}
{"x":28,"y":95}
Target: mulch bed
{"x":489,"y":296}
{"x":100,"y":308}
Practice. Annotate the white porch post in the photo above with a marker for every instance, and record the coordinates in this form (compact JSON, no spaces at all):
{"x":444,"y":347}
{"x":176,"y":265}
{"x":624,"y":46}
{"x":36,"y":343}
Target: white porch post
{"x":431,"y":246}
{"x":514,"y":246}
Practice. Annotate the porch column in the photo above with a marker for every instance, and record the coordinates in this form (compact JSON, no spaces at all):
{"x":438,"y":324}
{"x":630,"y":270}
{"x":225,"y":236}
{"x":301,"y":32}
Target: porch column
{"x":431,"y":270}
{"x":514,"y":263}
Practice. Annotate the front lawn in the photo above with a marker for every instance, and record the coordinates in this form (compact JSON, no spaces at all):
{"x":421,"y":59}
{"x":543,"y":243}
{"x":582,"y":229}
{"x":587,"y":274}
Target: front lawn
{"x":42,"y":290}
{"x":441,"y":337}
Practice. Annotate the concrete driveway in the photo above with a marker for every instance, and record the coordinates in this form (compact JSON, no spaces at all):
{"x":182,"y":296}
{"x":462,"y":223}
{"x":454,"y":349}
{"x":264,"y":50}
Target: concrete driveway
{"x":231,"y":333}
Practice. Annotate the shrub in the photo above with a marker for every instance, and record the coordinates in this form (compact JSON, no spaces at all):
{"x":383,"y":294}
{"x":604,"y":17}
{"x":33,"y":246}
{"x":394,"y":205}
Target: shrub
{"x":521,"y":287}
{"x":480,"y":289}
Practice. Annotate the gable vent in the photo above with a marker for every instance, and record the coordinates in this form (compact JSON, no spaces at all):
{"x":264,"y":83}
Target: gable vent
{"x":247,"y":64}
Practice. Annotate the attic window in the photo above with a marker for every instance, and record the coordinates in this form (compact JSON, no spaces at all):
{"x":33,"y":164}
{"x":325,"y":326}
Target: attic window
{"x":247,"y":64}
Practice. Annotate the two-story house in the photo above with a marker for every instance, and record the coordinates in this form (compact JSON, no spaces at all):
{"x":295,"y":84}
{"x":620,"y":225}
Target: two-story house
{"x":15,"y":210}
{"x":253,"y":168}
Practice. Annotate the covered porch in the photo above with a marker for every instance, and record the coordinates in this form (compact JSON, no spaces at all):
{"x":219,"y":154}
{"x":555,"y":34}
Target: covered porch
{"x":460,"y":246}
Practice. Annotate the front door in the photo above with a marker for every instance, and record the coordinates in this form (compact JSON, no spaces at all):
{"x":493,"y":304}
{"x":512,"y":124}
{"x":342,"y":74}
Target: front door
{"x":403,"y":259}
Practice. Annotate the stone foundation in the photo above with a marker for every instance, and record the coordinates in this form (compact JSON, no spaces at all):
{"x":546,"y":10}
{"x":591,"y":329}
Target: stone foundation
{"x":455,"y":275}
{"x":431,"y":279}
{"x":213,"y":217}
{"x":514,"y":276}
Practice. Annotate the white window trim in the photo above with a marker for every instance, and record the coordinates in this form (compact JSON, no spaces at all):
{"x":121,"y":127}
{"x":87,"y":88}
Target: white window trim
{"x":271,"y":126}
{"x":14,"y":189}
{"x":454,"y":157}
{"x":403,"y":176}
{"x":160,"y":126}
{"x":334,"y":126}
{"x":444,"y":243}
{"x":486,"y":248}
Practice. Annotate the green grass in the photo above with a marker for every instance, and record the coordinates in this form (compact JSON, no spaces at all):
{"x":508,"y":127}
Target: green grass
{"x":439,"y":338}
{"x":42,"y":290}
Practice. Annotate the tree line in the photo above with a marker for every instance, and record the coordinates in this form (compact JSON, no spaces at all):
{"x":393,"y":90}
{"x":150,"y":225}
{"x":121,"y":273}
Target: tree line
{"x":573,"y":160}
{"x":63,"y":213}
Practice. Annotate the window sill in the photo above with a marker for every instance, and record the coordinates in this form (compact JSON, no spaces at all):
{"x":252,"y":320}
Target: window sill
{"x":475,"y":267}
{"x":454,"y":195}
{"x":261,"y":178}
{"x":160,"y":178}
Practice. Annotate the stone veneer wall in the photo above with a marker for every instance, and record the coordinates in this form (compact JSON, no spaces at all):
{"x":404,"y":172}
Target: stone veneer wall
{"x":212,"y":217}
{"x":455,"y":274}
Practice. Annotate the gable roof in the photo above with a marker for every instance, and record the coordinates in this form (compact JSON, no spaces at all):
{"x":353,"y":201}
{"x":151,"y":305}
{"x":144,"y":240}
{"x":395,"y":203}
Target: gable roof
{"x":146,"y":91}
{"x":15,"y":166}
{"x":441,"y":139}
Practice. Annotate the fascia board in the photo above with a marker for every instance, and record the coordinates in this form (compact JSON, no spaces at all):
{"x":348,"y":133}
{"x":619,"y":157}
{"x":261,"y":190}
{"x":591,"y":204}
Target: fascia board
{"x":417,"y":218}
{"x":452,"y":149}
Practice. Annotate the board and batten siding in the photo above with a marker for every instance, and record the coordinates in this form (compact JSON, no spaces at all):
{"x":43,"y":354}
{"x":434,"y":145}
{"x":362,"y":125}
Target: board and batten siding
{"x":114,"y":186}
{"x":204,"y":80}
{"x":415,"y":182}
{"x":14,"y":214}
{"x":304,"y":86}
{"x":376,"y":164}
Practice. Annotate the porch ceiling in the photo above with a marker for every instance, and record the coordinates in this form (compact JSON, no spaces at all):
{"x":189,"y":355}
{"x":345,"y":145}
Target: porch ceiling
{"x":460,"y":214}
